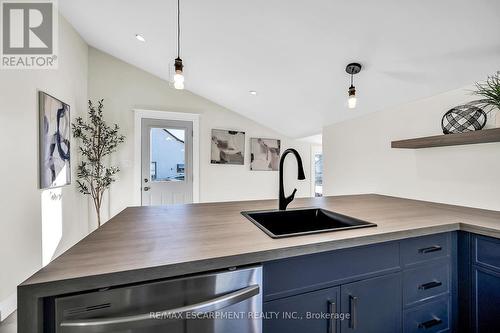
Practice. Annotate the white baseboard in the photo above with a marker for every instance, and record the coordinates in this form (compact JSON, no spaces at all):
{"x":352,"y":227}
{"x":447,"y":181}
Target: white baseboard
{"x":7,"y":306}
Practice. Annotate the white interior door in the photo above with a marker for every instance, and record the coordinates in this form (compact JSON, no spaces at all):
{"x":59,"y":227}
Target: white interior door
{"x":167,"y":162}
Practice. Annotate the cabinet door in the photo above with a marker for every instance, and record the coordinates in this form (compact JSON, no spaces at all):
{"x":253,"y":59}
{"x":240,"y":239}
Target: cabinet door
{"x":314,"y":312}
{"x":486,"y":300}
{"x":374,"y":305}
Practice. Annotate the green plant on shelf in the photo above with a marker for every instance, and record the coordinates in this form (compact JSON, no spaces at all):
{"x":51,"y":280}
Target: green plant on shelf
{"x":489,"y":93}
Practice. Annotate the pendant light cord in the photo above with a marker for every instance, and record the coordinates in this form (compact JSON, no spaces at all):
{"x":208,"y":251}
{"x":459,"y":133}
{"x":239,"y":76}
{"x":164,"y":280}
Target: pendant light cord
{"x":351,"y":78}
{"x":178,"y":29}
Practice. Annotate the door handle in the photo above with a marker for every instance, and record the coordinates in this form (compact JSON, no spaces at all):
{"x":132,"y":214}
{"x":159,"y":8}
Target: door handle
{"x":146,"y":188}
{"x":332,"y":309}
{"x":211,"y":305}
{"x":353,"y":306}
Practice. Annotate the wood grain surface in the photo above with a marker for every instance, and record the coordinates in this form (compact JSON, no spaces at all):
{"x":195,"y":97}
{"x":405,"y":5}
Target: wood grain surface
{"x":186,"y":239}
{"x":467,"y":138}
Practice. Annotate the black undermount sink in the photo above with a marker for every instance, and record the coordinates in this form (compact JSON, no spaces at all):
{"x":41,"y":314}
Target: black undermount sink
{"x":302,"y":221}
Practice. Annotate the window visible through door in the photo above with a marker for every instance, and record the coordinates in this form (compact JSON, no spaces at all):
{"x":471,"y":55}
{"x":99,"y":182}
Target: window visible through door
{"x":168,"y":150}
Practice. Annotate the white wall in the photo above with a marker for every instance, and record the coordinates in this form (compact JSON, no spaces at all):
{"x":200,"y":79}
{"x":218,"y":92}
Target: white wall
{"x":125,"y":87}
{"x":26,"y":242}
{"x":358,"y":157}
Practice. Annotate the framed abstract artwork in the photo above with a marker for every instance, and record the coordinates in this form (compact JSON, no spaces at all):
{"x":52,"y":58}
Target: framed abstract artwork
{"x":264,"y":154}
{"x":228,"y":147}
{"x":54,"y":142}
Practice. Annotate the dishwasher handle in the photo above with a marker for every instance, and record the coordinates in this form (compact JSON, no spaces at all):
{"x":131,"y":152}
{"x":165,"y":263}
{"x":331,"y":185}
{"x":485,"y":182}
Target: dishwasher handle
{"x":211,"y":305}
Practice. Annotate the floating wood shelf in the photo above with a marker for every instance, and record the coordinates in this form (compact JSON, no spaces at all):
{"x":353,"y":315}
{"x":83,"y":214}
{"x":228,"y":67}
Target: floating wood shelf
{"x":468,"y":138}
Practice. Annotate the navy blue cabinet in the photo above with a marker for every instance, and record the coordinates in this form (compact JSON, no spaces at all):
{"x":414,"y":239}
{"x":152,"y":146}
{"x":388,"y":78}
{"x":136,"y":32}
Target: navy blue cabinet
{"x":313,"y":312}
{"x":391,"y":287}
{"x":306,"y":273}
{"x":485,"y":284}
{"x":374,"y":305}
{"x":486,"y":300}
{"x":448,"y":282}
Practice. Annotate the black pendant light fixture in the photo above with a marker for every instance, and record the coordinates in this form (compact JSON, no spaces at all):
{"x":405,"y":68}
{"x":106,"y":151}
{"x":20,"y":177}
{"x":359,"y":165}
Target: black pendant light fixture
{"x":178,"y":66}
{"x":352,"y":69}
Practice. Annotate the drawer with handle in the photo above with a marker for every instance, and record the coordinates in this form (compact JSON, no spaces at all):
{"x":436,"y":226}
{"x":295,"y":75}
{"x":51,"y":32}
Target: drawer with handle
{"x":421,"y":249}
{"x":288,"y":277}
{"x":426,"y":282}
{"x":431,"y":317}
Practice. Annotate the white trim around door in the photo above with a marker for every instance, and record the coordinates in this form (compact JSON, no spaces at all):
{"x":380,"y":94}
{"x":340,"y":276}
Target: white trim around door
{"x":139,"y":114}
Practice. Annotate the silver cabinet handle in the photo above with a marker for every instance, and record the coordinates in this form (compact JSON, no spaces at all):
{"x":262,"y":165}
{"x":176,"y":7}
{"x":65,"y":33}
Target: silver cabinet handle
{"x":332,"y":309}
{"x":353,"y":305}
{"x":202,"y":307}
{"x":146,"y":188}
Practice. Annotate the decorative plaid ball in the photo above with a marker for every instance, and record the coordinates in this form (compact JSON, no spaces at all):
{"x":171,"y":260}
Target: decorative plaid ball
{"x":463,"y":118}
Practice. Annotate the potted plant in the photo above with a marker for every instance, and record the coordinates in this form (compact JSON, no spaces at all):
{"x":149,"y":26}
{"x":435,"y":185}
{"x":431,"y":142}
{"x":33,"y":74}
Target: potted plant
{"x":489,"y":93}
{"x":97,"y":140}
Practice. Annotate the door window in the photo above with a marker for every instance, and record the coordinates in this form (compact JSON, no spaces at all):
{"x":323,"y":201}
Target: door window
{"x":167,"y":154}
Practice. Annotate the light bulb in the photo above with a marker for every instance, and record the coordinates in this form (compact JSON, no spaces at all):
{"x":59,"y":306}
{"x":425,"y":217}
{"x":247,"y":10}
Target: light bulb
{"x":351,"y":102}
{"x":178,"y":76}
{"x":179,"y":80}
{"x":179,"y":85}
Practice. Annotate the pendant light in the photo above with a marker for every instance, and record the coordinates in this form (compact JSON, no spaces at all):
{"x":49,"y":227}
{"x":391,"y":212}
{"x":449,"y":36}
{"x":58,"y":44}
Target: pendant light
{"x":178,"y":66}
{"x":352,"y":68}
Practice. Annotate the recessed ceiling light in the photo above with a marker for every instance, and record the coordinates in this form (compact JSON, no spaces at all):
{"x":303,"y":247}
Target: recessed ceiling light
{"x":253,"y":92}
{"x":140,"y":38}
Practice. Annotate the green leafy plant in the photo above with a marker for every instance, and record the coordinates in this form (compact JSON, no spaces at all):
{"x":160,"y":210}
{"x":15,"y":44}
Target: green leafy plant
{"x":489,"y":91}
{"x":97,"y":140}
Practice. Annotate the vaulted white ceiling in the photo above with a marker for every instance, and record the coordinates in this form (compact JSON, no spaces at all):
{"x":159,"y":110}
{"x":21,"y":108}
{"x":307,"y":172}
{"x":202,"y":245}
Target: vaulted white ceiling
{"x":294,"y":52}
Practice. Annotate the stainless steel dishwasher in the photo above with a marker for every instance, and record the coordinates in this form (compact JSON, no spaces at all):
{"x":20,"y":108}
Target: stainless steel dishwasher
{"x":227,"y":301}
